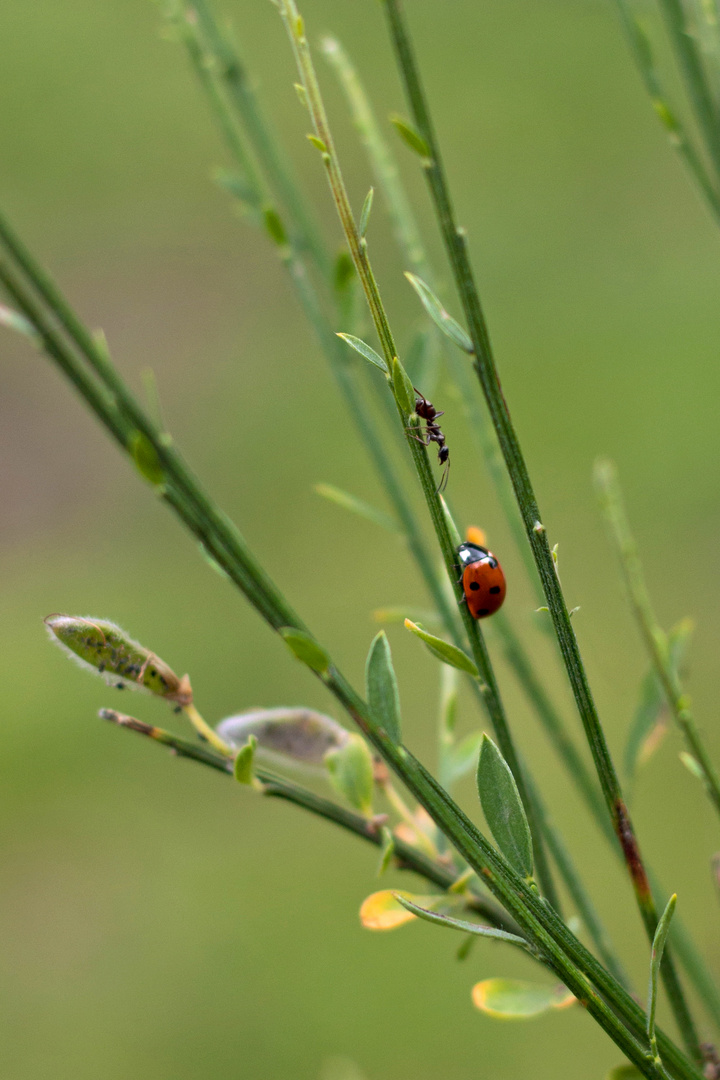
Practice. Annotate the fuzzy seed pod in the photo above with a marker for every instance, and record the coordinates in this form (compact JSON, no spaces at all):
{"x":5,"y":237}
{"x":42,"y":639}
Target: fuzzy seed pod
{"x":287,"y":735}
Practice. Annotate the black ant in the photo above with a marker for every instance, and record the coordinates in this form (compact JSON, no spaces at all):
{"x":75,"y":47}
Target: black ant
{"x":427,"y":412}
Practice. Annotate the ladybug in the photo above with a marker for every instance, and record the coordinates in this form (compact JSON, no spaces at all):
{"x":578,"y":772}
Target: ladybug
{"x":483,"y":580}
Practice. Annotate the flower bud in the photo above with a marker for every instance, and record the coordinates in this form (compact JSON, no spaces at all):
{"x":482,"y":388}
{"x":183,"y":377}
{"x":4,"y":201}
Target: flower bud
{"x":105,"y":648}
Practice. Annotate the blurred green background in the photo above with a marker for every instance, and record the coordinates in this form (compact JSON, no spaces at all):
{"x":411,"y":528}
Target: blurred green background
{"x":157,"y":921}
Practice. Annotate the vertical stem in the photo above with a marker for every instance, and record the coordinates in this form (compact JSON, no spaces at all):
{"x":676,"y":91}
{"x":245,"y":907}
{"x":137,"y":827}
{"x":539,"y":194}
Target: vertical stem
{"x":455,"y":243}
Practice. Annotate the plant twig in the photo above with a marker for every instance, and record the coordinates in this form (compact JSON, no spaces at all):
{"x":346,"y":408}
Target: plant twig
{"x":456,"y":246}
{"x":652,"y":633}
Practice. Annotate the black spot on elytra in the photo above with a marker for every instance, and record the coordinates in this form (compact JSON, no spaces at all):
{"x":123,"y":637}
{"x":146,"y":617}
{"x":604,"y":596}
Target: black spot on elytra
{"x":474,"y":586}
{"x":483,"y":611}
{"x":495,"y":589}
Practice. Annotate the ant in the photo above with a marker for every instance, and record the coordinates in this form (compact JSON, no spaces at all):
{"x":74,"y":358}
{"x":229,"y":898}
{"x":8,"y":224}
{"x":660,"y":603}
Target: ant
{"x":427,"y":412}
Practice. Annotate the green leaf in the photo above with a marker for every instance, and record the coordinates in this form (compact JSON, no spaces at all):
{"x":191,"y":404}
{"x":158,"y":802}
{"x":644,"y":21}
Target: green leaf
{"x":351,"y":773}
{"x":274,"y":226}
{"x":318,"y":144}
{"x":365,"y":214}
{"x":503,"y":808}
{"x":514,"y":999}
{"x":443,"y":650}
{"x":244,"y":762}
{"x":658,"y":947}
{"x":410,"y":136}
{"x":459,"y":924}
{"x":146,"y":458}
{"x":450,"y":522}
{"x":102,"y":646}
{"x":403,"y":389}
{"x":692,"y":765}
{"x":442,"y":319}
{"x":305,"y":648}
{"x":381,"y":687}
{"x":357,"y":506}
{"x":365,"y":350}
{"x":624,"y":1072}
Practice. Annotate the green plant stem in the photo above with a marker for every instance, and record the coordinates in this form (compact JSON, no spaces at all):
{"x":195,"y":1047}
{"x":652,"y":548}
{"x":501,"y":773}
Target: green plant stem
{"x":359,"y":253}
{"x":652,"y":633}
{"x":211,"y":54}
{"x":642,"y":54}
{"x":624,"y":1020}
{"x":696,"y":83}
{"x":406,"y":856}
{"x":456,"y":246}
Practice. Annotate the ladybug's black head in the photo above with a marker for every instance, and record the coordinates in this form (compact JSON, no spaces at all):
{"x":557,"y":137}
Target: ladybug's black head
{"x":471,"y":553}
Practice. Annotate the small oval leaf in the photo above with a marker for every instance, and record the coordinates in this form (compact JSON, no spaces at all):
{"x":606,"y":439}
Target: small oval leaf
{"x":365,"y":214}
{"x":146,"y":458}
{"x":503,"y":808}
{"x":351,"y":773}
{"x":381,"y":687}
{"x":383,"y":910}
{"x":359,"y":346}
{"x":442,"y":318}
{"x":624,"y":1072}
{"x":305,"y":648}
{"x":245,"y":761}
{"x":274,"y":226}
{"x":410,"y":136}
{"x":443,"y":650}
{"x":514,"y":999}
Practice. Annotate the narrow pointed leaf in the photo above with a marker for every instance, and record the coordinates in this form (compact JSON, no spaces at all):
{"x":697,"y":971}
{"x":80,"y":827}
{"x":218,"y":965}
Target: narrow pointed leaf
{"x":442,"y":318}
{"x":381,"y":687}
{"x":356,"y":506}
{"x":514,"y":999}
{"x":658,"y":947}
{"x":402,"y":388}
{"x":245,"y":761}
{"x":387,"y":851}
{"x":410,"y":136}
{"x":305,"y":648}
{"x":458,"y":924}
{"x":624,"y":1072}
{"x":359,"y":346}
{"x":443,"y":650}
{"x":503,"y":808}
{"x":365,"y":214}
{"x":351,"y":773}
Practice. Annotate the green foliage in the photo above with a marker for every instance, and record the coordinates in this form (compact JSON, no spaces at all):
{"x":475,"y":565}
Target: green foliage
{"x":351,"y":773}
{"x":503,"y":808}
{"x":381,"y":689}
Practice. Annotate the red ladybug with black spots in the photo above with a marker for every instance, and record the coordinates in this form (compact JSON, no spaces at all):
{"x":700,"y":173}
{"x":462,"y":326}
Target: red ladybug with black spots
{"x":483,"y":580}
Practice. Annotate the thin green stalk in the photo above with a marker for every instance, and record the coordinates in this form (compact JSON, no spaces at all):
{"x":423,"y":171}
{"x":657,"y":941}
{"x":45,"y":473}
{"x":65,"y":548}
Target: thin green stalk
{"x":693,"y":72}
{"x":652,"y":633}
{"x":562,"y":951}
{"x":406,"y":857}
{"x":642,"y":54}
{"x":226,"y":61}
{"x":212,"y":55}
{"x":359,"y":253}
{"x":410,"y":242}
{"x":456,"y":245}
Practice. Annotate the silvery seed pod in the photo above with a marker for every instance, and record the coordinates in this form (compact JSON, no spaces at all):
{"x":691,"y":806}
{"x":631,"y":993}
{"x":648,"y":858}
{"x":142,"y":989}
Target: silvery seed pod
{"x":286,"y":735}
{"x":103,"y":647}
